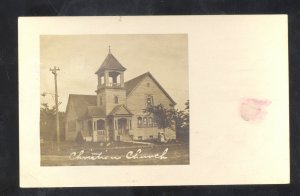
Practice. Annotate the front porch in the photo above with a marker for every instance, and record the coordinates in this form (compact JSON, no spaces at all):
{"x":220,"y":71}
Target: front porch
{"x":116,"y":126}
{"x":107,"y":129}
{"x":120,"y":129}
{"x":97,"y":130}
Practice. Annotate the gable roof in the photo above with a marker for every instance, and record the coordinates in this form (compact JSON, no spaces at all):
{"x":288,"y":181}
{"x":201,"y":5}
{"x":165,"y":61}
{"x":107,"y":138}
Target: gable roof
{"x":110,"y":63}
{"x":95,"y":111}
{"x":130,"y":85}
{"x":81,"y":102}
{"x":119,"y":108}
{"x":86,"y":105}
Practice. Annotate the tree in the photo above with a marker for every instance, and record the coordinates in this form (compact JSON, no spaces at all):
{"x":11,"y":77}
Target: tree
{"x":170,"y":118}
{"x":79,"y":138}
{"x":161,"y":116}
{"x":48,"y":122}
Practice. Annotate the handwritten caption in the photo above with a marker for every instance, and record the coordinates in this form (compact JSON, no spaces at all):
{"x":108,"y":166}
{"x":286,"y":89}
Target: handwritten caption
{"x":138,"y":154}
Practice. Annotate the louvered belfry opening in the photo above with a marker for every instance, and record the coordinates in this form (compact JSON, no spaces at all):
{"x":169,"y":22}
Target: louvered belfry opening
{"x":111,"y":73}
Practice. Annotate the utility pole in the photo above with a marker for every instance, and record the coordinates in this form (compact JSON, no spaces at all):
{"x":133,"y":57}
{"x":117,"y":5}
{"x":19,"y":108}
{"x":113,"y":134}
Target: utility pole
{"x":54,"y":72}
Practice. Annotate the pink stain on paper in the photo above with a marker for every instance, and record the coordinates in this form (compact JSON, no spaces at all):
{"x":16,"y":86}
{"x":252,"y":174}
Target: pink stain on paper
{"x":253,"y":110}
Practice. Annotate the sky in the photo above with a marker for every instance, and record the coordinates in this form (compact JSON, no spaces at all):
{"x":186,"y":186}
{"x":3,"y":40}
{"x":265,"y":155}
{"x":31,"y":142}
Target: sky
{"x":79,"y":57}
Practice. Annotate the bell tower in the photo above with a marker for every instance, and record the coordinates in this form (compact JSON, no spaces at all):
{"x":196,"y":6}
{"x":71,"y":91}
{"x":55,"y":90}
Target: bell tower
{"x":110,"y":89}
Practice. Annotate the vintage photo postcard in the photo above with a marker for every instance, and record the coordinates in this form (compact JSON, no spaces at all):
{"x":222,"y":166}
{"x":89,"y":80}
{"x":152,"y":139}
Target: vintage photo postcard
{"x":112,"y":109}
{"x":153,"y":100}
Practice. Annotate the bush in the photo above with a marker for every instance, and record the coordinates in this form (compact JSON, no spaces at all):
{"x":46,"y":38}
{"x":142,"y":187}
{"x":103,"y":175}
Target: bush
{"x":79,"y":138}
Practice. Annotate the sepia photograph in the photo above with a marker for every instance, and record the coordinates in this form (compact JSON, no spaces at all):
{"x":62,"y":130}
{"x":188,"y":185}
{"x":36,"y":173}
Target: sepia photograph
{"x":153,"y":100}
{"x":114,"y":99}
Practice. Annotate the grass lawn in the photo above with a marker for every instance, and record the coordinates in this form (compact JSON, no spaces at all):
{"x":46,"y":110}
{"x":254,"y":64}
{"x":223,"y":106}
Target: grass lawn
{"x":118,"y":153}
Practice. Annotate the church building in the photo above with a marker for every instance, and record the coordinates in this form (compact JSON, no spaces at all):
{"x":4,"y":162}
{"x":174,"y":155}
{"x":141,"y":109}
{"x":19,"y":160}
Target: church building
{"x":116,"y":112}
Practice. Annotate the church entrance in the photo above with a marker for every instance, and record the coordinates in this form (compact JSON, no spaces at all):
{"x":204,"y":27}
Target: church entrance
{"x":122,"y":126}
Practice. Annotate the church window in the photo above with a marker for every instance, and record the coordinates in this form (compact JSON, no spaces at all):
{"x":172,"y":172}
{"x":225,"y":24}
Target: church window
{"x":139,"y":121}
{"x":145,"y":121}
{"x":149,"y":100}
{"x":101,"y":80}
{"x":150,"y":121}
{"x":100,"y":100}
{"x":116,"y":100}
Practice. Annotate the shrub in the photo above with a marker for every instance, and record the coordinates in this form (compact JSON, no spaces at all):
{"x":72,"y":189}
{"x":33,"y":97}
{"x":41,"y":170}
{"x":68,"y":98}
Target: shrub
{"x":79,"y":138}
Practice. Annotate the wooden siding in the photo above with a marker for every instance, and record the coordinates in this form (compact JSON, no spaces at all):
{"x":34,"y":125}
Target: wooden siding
{"x":71,"y":116}
{"x":108,"y":102}
{"x":136,"y":103}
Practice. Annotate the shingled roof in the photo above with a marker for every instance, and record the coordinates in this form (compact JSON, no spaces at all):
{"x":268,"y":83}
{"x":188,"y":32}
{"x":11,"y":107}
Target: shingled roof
{"x":110,"y":63}
{"x":130,"y":85}
{"x":86,"y":105}
{"x":81,"y":102}
{"x":118,"y":108}
{"x":95,"y":111}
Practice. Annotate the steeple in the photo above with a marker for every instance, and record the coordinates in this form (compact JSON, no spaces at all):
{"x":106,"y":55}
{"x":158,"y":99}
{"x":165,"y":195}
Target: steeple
{"x":110,"y":63}
{"x":110,"y":73}
{"x":110,"y":90}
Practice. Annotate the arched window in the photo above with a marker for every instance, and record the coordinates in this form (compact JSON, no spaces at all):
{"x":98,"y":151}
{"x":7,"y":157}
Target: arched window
{"x":150,"y":121}
{"x":145,"y":122}
{"x":139,"y":121}
{"x":116,"y":99}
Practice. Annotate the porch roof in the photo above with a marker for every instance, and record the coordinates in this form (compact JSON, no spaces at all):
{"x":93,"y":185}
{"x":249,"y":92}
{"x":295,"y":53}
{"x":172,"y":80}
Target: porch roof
{"x":93,"y":111}
{"x":120,"y":110}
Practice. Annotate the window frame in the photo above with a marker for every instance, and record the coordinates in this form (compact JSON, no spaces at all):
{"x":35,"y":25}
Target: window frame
{"x":150,"y":121}
{"x":145,"y":119}
{"x":151,"y":100}
{"x":140,"y":121}
{"x":116,"y":99}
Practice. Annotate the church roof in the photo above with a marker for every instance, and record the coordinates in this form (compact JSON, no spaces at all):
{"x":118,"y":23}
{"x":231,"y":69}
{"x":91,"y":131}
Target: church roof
{"x":86,"y":105}
{"x":120,"y":110}
{"x":95,"y":111}
{"x":110,"y":63}
{"x":130,"y":85}
{"x":81,"y":102}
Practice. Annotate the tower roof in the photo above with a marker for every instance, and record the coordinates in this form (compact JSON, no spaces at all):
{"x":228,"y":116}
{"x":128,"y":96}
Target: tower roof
{"x":110,"y":63}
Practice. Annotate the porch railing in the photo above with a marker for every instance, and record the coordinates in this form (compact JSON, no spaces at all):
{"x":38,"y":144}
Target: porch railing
{"x":123,"y":131}
{"x":111,"y":84}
